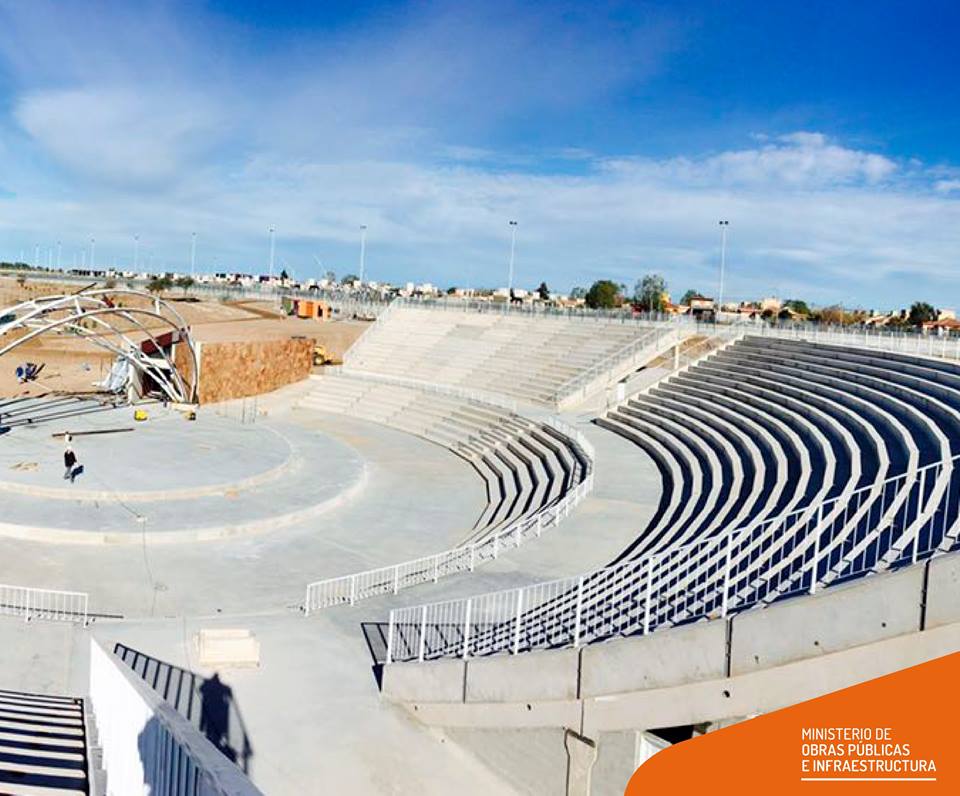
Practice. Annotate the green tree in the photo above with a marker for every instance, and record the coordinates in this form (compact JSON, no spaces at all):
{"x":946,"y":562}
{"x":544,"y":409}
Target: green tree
{"x":689,"y":296}
{"x":349,"y":279}
{"x":921,"y":312}
{"x":832,"y":315}
{"x":649,"y":292}
{"x":159,"y":283}
{"x":185,"y":283}
{"x":543,"y":291}
{"x":578,"y":293}
{"x":798,"y":306}
{"x":603,"y":295}
{"x":284,"y":276}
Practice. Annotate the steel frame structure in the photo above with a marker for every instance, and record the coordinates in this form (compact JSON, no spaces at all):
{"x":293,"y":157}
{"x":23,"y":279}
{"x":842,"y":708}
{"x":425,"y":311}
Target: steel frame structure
{"x":72,"y":313}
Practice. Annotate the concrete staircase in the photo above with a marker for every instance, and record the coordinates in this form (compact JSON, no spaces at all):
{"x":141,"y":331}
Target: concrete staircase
{"x":43,"y":746}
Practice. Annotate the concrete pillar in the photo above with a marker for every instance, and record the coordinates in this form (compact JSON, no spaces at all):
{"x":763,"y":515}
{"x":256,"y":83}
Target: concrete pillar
{"x":581,"y":755}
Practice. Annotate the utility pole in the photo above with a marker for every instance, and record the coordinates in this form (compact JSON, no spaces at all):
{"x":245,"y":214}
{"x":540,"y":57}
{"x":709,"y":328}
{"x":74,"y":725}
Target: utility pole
{"x":271,"y":254}
{"x":363,"y":250}
{"x":513,"y":247}
{"x":723,"y":259}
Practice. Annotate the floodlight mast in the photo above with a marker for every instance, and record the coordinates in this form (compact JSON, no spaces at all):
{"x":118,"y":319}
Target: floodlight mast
{"x":513,"y":247}
{"x":363,"y":250}
{"x":723,"y":258}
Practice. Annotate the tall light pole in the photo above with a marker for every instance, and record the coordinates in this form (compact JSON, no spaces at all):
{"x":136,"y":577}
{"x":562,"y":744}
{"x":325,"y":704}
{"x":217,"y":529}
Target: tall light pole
{"x":363,"y":250}
{"x":59,"y":250}
{"x":723,"y":262}
{"x":271,"y":254}
{"x":193,"y":255}
{"x":513,"y":247}
{"x":136,"y":252}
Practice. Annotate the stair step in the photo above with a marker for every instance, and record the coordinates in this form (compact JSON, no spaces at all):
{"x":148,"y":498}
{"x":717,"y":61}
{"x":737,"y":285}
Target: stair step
{"x":42,"y":745}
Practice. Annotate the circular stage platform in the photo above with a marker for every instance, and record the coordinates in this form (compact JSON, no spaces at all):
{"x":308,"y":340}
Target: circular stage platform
{"x":168,"y":478}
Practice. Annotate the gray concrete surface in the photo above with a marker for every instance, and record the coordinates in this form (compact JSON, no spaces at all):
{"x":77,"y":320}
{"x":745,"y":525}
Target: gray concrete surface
{"x":686,"y":654}
{"x":312,"y":710}
{"x":943,"y":587}
{"x":844,"y":616}
{"x":413,"y":503}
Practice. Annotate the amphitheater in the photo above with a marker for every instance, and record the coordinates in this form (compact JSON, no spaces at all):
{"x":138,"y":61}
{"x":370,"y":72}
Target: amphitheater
{"x":493,"y":552}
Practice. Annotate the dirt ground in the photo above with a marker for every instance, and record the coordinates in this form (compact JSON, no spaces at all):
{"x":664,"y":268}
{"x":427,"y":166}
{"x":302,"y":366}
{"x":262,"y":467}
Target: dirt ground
{"x":71,"y":364}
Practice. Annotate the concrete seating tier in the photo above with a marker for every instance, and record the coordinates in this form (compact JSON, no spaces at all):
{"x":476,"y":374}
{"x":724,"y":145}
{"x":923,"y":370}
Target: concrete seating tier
{"x":528,"y":358}
{"x":811,"y":452}
{"x":525,"y":466}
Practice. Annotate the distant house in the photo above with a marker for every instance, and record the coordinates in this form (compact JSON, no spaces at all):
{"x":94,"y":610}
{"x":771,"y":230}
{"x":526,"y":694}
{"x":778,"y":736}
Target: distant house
{"x":675,"y":309}
{"x":701,"y":305}
{"x":772,"y":304}
{"x":942,"y":327}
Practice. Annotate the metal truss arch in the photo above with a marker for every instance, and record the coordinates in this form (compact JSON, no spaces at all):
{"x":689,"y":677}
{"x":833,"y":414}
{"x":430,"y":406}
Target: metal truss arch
{"x":136,"y":334}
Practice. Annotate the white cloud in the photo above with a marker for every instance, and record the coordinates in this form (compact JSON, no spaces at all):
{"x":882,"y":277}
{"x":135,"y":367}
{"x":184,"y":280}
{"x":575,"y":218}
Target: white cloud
{"x":118,"y":135}
{"x":947,"y":186}
{"x":800,"y":160}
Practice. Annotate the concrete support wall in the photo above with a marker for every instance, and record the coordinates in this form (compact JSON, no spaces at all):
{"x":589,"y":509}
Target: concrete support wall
{"x":756,"y":661}
{"x":835,"y":619}
{"x":943,"y":587}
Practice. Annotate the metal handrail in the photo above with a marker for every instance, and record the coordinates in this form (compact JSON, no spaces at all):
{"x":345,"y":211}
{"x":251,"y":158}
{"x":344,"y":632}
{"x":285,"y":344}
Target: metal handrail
{"x":607,"y":365}
{"x":148,"y":747}
{"x":50,"y":604}
{"x":809,"y":548}
{"x":348,"y":589}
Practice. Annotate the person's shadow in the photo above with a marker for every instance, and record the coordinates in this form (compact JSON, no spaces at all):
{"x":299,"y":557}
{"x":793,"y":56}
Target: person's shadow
{"x":207,"y":703}
{"x":215,"y":700}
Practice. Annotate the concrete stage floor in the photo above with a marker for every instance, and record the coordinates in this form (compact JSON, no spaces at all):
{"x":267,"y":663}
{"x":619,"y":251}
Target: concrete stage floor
{"x":169,"y":479}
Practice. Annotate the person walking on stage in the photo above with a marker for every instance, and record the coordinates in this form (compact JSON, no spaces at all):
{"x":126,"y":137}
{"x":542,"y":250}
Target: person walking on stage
{"x":69,"y":461}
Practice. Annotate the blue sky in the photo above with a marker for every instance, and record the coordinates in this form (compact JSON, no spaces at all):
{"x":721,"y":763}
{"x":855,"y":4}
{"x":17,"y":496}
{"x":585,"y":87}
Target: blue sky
{"x":616,"y":134}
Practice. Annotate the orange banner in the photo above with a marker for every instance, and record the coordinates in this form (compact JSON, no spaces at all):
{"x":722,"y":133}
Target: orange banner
{"x":897,"y":733}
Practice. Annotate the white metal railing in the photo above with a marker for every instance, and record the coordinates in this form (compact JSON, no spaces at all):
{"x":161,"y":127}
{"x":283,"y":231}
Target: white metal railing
{"x":880,"y":526}
{"x":942,"y":347}
{"x":654,"y":342}
{"x":348,"y":589}
{"x":686,"y":359}
{"x":50,"y":604}
{"x":147,"y":746}
{"x":615,"y":316}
